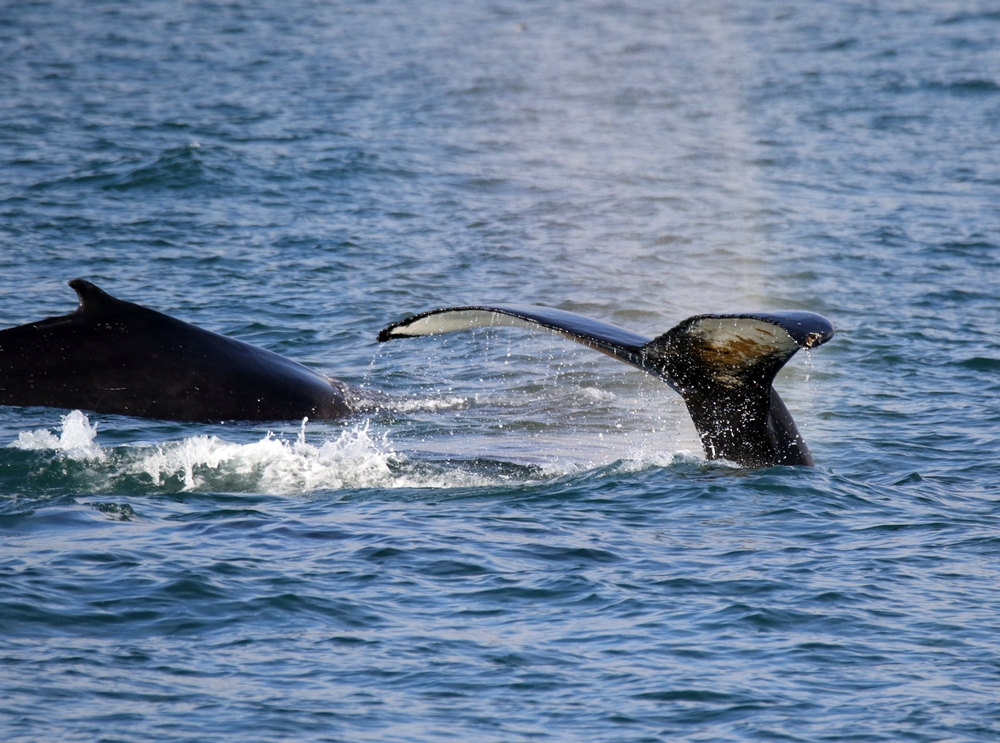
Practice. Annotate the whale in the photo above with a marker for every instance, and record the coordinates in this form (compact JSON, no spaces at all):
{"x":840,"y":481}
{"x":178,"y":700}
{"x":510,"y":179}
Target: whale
{"x":112,"y":356}
{"x":723,"y":367}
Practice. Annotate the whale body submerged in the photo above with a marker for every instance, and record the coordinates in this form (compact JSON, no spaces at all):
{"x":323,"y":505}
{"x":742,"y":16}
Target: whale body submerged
{"x":116,"y":357}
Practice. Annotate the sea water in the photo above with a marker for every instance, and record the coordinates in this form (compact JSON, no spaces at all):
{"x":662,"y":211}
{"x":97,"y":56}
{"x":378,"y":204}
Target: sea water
{"x":527,"y":543}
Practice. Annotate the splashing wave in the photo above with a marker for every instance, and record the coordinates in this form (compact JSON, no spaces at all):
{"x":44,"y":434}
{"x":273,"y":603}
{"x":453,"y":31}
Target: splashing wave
{"x":355,"y":459}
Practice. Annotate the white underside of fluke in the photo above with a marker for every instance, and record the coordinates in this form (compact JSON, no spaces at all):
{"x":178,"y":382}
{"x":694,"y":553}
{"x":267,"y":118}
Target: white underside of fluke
{"x":457,"y":320}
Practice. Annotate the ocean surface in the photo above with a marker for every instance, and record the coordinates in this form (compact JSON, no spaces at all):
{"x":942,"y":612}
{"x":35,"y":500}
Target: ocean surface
{"x":528,"y":544}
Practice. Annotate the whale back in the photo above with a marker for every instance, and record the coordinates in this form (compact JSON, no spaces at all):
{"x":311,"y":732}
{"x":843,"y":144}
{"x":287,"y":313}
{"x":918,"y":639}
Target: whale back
{"x":112,"y":356}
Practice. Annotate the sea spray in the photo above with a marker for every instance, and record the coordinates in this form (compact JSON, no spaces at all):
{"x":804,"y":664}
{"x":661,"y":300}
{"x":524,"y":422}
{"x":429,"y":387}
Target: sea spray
{"x":75,"y":441}
{"x":355,"y":458}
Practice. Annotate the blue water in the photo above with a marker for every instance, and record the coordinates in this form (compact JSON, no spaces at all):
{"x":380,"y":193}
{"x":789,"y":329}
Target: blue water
{"x":528,"y":545}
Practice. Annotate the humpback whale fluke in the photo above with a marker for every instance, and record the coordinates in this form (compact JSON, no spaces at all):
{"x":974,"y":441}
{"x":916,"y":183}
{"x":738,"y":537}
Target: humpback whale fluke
{"x":722,"y":365}
{"x":112,"y":356}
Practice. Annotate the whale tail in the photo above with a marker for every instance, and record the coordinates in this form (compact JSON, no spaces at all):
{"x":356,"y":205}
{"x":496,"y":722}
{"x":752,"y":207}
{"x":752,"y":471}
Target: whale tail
{"x":723,"y":367}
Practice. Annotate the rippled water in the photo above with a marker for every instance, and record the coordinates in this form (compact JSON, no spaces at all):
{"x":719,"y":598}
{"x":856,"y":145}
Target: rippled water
{"x":528,"y":544}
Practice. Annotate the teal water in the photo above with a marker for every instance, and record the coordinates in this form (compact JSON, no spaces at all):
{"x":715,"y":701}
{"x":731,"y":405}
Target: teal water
{"x":529,"y":544}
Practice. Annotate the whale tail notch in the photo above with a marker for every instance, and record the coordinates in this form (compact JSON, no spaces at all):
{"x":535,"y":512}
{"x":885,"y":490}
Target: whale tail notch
{"x":723,"y":367}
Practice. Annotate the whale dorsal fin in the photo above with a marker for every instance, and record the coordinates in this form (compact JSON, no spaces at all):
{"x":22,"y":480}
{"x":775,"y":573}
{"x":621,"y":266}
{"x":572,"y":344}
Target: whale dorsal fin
{"x":96,"y":302}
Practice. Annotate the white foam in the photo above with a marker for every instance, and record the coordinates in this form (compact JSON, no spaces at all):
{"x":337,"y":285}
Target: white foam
{"x":76,"y":439}
{"x":355,"y":458}
{"x":643,"y":458}
{"x":597,"y":394}
{"x":428,"y":404}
